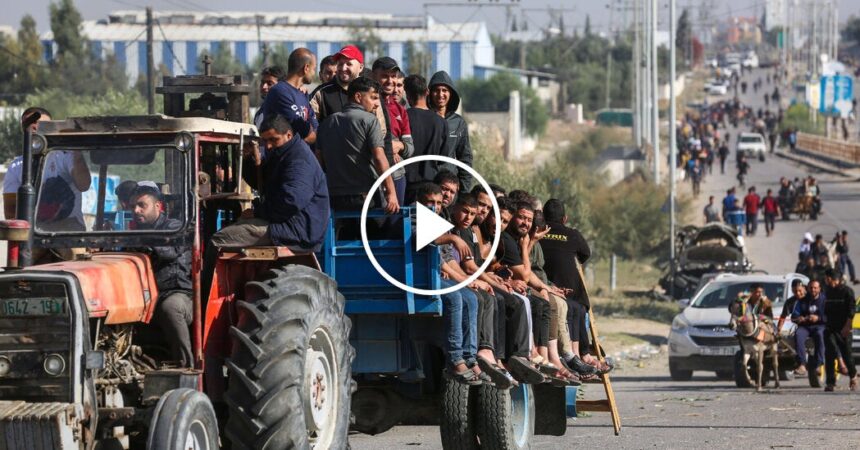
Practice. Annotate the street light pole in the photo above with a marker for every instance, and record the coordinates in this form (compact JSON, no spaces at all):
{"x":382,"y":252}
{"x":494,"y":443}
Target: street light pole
{"x":655,"y":107}
{"x":637,"y":76}
{"x":672,"y":143}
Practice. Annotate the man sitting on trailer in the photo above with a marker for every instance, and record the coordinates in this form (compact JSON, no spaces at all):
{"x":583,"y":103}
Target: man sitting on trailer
{"x":293,"y":211}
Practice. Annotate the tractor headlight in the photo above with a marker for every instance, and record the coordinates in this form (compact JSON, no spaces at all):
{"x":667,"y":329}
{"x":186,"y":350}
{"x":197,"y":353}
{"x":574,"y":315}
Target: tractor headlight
{"x":38,"y":143}
{"x":54,"y":364}
{"x":5,"y":366}
{"x":184,"y":141}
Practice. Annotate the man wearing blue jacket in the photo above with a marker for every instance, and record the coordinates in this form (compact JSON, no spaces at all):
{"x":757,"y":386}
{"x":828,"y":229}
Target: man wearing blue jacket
{"x":809,"y":316}
{"x":294,"y":207}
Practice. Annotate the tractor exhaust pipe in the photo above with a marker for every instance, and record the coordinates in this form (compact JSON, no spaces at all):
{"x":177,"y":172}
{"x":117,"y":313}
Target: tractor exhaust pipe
{"x":26,"y":202}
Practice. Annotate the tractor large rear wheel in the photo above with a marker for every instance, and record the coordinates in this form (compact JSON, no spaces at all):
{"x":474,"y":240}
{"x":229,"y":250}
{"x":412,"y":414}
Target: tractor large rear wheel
{"x":290,"y":365}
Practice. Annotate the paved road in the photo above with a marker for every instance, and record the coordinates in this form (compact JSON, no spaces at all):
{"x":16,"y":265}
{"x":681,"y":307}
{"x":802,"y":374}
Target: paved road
{"x":706,"y":412}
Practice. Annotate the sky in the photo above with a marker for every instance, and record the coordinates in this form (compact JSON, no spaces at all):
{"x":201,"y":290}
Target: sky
{"x":532,"y":11}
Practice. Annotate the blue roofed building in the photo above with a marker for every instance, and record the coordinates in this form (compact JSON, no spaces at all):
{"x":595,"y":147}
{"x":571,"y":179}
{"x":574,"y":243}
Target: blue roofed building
{"x":180,"y":38}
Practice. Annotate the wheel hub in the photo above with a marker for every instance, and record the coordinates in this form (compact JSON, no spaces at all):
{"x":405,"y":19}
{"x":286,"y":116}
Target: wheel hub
{"x":320,"y":389}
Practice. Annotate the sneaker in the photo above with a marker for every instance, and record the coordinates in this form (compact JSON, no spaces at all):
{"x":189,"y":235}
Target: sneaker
{"x":579,"y":366}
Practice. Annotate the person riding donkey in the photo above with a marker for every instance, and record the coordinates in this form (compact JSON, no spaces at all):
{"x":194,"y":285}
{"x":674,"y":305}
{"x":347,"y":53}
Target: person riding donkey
{"x":752,"y":318}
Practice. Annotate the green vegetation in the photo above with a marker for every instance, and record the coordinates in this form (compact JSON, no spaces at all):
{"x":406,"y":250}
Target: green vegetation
{"x":494,"y":95}
{"x":799,"y":116}
{"x":625,"y":219}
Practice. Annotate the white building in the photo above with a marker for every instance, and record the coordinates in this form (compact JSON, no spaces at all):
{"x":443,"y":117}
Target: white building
{"x":180,"y":38}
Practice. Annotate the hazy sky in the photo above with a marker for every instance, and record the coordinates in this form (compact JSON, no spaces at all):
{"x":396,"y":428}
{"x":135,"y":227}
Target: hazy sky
{"x":533,"y":10}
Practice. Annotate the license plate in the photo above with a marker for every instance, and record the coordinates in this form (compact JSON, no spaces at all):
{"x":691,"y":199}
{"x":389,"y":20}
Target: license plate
{"x":719,"y":351}
{"x":38,"y":306}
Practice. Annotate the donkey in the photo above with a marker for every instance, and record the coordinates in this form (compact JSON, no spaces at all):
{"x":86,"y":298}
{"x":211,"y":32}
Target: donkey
{"x":756,"y":337}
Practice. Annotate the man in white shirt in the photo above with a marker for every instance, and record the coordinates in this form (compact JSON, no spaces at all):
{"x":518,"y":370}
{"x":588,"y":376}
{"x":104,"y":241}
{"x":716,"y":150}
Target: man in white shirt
{"x":69,"y":166}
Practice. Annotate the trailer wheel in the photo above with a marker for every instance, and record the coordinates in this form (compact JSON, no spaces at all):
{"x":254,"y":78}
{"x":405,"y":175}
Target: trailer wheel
{"x":506,"y":418}
{"x":290,"y":365}
{"x":183,"y":420}
{"x":457,"y":420}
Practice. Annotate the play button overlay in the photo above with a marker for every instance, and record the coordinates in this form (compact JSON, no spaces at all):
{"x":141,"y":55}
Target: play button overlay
{"x":429,"y":226}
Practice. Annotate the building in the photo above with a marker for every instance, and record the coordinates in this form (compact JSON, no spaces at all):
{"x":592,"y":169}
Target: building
{"x":180,"y":38}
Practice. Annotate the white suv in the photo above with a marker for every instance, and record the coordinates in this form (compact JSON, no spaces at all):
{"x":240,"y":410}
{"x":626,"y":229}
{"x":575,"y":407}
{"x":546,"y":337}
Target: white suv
{"x":700,"y":338}
{"x":752,"y":145}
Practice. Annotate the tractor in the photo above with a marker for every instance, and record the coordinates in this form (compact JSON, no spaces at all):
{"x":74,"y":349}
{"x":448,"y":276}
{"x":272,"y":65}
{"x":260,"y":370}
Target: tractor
{"x":289,"y":350}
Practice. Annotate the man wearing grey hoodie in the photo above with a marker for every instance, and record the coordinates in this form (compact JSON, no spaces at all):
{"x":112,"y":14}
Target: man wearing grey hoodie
{"x":445,"y":100}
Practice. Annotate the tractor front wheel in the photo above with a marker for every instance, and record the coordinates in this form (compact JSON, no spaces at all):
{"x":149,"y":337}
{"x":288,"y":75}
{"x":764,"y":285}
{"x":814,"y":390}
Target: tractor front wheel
{"x":183,"y":420}
{"x":290,"y":366}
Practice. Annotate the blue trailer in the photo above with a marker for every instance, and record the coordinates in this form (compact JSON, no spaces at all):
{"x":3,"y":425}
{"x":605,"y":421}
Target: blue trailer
{"x":398,"y":340}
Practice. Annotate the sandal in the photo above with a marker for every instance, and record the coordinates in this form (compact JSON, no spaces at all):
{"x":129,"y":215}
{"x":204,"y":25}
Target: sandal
{"x":548,"y":369}
{"x":495,"y":373}
{"x":467,"y":377}
{"x":589,"y":378}
{"x":570,"y":378}
{"x":523,"y":371}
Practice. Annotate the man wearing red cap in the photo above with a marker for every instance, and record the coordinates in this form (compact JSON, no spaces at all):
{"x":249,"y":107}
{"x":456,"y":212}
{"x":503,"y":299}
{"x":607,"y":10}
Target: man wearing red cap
{"x":331,"y":97}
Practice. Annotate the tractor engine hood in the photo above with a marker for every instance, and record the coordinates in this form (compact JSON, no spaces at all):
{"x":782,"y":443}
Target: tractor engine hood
{"x":117,"y":286}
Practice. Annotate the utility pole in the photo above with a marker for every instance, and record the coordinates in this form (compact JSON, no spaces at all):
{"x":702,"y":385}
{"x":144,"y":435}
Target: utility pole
{"x":609,"y":57}
{"x":647,"y":97}
{"x":672,"y":143}
{"x":637,"y":77}
{"x":150,"y":65}
{"x":655,"y":111}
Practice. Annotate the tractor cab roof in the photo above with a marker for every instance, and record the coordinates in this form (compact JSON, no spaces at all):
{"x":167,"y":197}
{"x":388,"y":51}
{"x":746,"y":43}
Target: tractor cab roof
{"x":148,"y":124}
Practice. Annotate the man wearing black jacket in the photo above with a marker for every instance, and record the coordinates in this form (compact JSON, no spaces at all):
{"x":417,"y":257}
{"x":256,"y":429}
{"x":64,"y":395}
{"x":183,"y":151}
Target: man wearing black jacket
{"x":564,"y":249}
{"x":429,"y":135}
{"x":839,"y":307}
{"x":172,"y":267}
{"x":445,"y":100}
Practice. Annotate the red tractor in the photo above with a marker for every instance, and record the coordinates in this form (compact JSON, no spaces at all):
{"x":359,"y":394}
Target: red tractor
{"x":82,"y":364}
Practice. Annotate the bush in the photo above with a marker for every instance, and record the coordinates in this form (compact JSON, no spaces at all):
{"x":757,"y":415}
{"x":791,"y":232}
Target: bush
{"x":797,"y":116}
{"x":626,"y":219}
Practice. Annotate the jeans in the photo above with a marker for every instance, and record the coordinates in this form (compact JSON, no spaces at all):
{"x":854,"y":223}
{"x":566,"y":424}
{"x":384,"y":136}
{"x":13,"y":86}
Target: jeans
{"x":460,"y":314}
{"x":769,"y":222}
{"x":816,"y":332}
{"x":752,"y":223}
{"x":846,"y":266}
{"x":400,"y":190}
{"x":834,"y":345}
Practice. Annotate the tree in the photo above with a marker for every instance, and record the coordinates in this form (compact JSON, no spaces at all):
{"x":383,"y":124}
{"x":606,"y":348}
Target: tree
{"x":31,"y":72}
{"x":365,"y":38}
{"x":493,"y":95}
{"x":223,"y":62}
{"x":587,"y":25}
{"x":66,"y":26}
{"x":417,"y":60}
{"x":683,"y":34}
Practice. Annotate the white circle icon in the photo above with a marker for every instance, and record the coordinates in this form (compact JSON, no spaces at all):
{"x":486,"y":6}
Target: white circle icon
{"x":396,"y":282}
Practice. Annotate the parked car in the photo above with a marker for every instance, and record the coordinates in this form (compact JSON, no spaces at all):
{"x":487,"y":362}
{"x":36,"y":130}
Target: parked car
{"x":855,"y":346}
{"x":753,"y":145}
{"x":750,"y":61}
{"x":700,"y":338}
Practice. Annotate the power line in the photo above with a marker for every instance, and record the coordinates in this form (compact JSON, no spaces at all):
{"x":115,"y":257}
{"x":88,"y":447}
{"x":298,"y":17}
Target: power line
{"x":169,"y":45}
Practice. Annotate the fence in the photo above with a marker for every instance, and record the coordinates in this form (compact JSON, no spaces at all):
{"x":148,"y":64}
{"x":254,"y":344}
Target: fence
{"x":837,"y":150}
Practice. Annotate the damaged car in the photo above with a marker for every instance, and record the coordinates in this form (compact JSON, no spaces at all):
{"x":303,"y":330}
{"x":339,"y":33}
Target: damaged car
{"x":713,"y":248}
